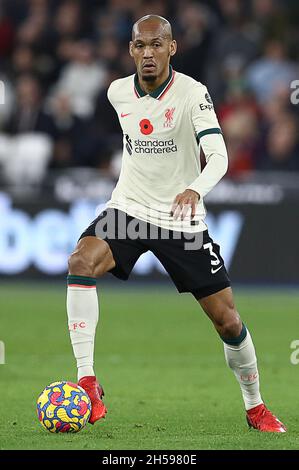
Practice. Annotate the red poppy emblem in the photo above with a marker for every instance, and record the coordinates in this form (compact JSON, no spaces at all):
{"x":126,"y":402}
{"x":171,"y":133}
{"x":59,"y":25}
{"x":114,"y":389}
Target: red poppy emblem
{"x":146,"y":127}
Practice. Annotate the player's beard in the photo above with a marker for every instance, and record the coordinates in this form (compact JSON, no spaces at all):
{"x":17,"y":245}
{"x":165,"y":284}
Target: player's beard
{"x":149,"y":78}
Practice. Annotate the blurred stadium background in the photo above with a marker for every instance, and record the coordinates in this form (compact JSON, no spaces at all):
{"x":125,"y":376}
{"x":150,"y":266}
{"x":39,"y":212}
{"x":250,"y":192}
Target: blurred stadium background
{"x":60,"y":156}
{"x":60,"y":141}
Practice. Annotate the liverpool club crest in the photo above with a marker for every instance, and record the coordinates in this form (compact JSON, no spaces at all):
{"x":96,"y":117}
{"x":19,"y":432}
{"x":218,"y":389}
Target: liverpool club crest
{"x":169,"y":117}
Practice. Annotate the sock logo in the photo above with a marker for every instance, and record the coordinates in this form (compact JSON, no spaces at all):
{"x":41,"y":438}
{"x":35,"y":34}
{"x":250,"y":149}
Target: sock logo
{"x":249,"y":378}
{"x":76,"y":326}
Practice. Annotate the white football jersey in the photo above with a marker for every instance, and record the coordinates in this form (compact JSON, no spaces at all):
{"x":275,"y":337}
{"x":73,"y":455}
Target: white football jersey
{"x":162,"y":134}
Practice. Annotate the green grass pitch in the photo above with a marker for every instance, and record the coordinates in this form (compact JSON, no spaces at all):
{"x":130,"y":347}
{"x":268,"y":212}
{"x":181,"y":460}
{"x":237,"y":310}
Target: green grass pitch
{"x":161,"y":364}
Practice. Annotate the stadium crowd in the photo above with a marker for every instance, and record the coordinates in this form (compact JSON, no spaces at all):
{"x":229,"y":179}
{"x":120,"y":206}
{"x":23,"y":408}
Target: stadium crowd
{"x":57,"y":58}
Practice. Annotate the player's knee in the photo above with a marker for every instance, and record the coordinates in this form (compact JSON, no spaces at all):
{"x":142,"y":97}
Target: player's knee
{"x":80,"y":264}
{"x":85,"y":261}
{"x":226,"y":319}
{"x":231,"y":326}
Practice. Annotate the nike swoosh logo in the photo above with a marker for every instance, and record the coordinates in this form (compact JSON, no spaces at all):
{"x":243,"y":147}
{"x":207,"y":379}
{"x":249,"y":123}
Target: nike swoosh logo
{"x":213,"y":271}
{"x":124,"y":115}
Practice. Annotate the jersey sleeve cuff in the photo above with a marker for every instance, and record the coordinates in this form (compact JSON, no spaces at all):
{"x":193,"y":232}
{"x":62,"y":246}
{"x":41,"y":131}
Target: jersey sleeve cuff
{"x":213,"y":130}
{"x":195,"y":189}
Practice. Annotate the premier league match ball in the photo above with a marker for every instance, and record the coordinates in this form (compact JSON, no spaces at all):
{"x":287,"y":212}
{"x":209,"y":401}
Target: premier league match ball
{"x":63,"y":407}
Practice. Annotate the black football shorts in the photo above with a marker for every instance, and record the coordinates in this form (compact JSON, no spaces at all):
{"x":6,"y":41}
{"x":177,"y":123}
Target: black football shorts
{"x":193,"y":261}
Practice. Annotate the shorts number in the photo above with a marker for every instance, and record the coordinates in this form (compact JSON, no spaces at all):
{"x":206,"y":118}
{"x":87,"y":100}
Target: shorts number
{"x":216,"y":260}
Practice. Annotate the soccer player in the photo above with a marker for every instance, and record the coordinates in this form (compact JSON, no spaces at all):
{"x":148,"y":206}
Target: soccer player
{"x":166,"y":117}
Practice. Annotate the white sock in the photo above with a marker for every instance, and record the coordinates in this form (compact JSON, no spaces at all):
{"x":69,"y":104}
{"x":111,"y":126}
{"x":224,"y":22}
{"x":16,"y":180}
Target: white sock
{"x":83,"y":314}
{"x":242,"y":360}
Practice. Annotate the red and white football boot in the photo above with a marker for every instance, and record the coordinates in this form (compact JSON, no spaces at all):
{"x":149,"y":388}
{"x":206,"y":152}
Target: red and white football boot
{"x":262,"y":419}
{"x":95,"y":393}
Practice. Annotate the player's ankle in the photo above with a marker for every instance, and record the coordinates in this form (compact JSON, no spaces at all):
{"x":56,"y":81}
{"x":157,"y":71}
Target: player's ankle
{"x":85,"y":371}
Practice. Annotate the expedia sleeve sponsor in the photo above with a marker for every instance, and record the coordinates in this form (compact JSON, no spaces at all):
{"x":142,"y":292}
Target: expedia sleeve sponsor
{"x":204,"y":107}
{"x":202,"y":110}
{"x":155,"y":147}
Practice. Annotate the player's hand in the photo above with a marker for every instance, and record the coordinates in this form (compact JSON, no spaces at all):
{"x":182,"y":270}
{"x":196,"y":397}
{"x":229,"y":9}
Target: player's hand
{"x":182,"y":204}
